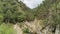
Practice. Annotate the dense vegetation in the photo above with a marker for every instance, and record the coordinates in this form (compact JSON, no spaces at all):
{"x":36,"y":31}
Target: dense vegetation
{"x":12,"y":11}
{"x":50,"y":11}
{"x":6,"y":29}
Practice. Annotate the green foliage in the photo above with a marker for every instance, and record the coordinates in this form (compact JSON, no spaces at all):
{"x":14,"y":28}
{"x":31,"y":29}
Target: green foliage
{"x":21,"y":18}
{"x":26,"y":30}
{"x":10,"y":9}
{"x":13,"y":11}
{"x":49,"y":11}
{"x":6,"y":29}
{"x":29,"y":17}
{"x":1,"y":18}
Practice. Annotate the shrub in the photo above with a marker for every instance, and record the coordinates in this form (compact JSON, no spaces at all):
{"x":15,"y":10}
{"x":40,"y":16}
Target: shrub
{"x":26,"y":30}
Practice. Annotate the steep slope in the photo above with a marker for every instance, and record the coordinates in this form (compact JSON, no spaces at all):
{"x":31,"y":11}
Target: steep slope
{"x":45,"y":18}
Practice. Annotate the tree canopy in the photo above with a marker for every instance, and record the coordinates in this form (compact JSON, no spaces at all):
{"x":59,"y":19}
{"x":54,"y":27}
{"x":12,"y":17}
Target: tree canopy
{"x":13,"y":11}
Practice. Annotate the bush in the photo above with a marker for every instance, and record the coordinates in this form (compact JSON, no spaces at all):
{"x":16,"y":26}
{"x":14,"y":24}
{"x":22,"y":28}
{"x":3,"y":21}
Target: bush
{"x":26,"y":30}
{"x":30,"y":17}
{"x":21,"y":18}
